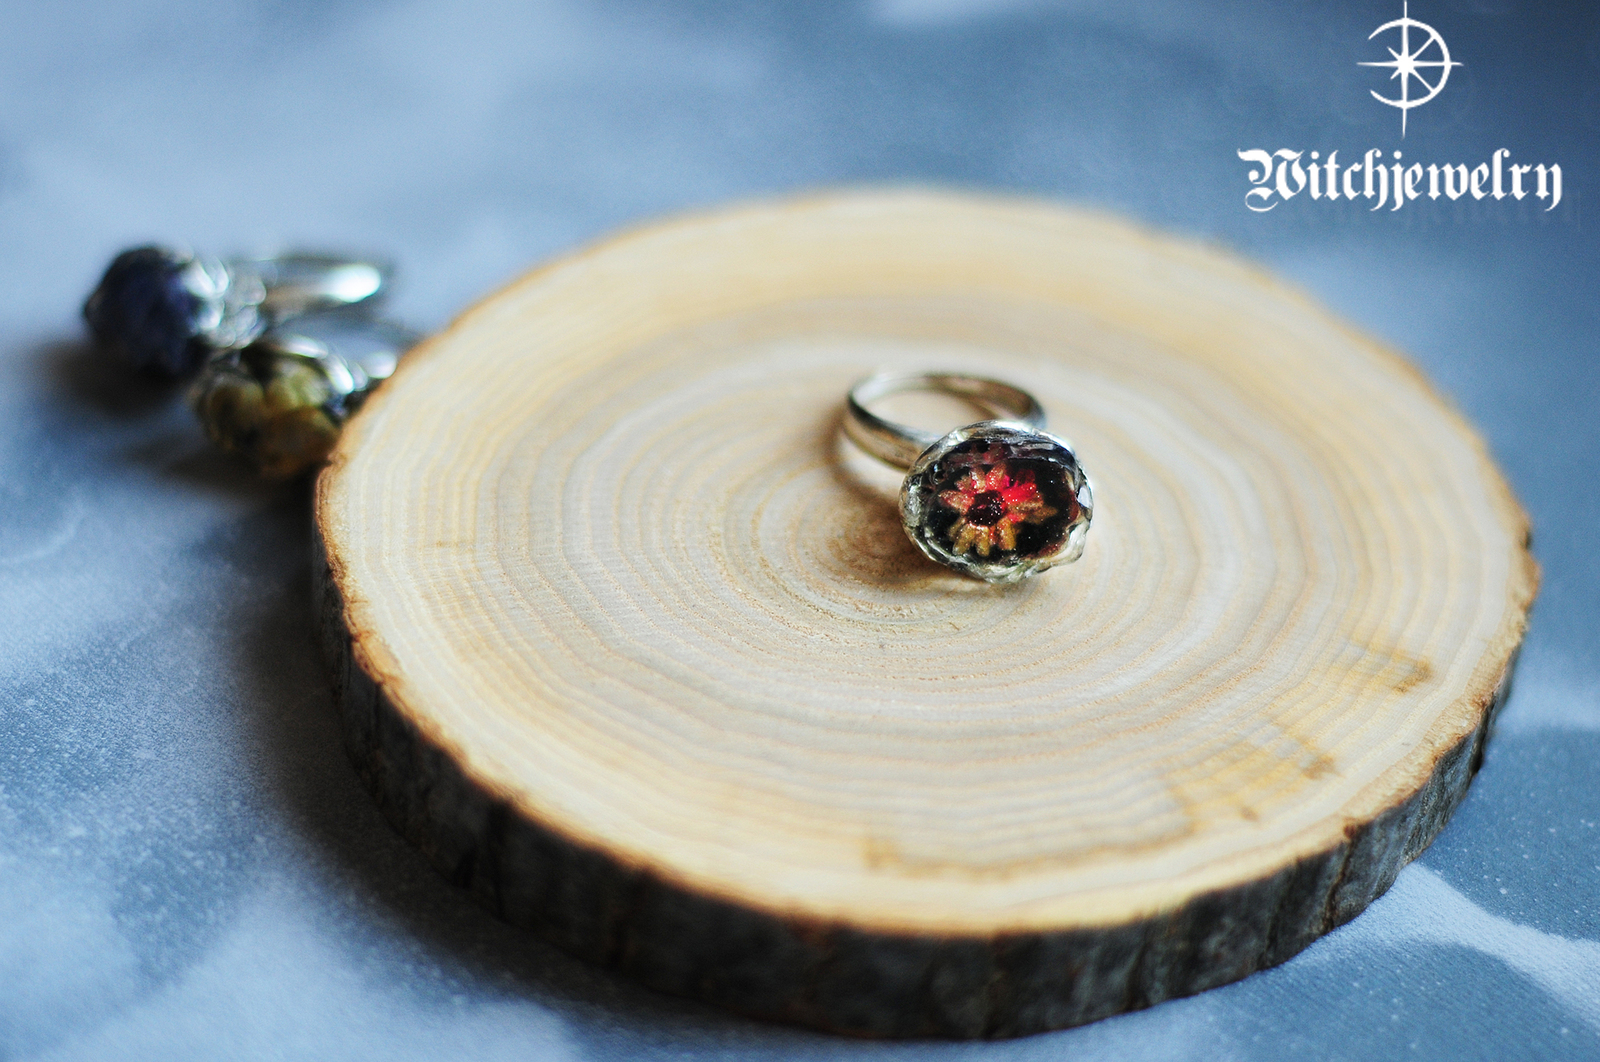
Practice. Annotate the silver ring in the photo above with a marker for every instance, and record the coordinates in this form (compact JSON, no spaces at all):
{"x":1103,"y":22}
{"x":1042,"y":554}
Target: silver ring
{"x":999,"y":500}
{"x":167,"y":311}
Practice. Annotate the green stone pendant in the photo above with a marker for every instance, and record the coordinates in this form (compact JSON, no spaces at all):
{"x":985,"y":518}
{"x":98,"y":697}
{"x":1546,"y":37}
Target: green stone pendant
{"x":281,"y":401}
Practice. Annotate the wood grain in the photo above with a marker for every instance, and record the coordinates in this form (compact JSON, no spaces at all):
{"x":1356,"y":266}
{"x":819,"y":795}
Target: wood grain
{"x":630,"y":641}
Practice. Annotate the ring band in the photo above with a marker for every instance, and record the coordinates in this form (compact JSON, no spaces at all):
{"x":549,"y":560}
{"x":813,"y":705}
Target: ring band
{"x":999,"y":500}
{"x":899,"y":444}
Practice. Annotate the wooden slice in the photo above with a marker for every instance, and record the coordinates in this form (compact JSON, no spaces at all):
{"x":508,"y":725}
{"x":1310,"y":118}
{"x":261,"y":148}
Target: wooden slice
{"x":632,"y":644}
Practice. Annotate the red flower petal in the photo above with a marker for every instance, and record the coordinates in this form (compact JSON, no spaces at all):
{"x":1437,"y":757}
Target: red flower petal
{"x":1020,"y":493}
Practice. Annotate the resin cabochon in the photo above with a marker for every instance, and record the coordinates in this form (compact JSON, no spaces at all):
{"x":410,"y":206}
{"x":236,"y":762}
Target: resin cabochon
{"x":998,"y":502}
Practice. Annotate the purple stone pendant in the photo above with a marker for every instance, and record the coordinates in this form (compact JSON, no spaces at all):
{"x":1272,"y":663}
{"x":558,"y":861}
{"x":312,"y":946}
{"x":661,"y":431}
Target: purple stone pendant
{"x":166,"y":311}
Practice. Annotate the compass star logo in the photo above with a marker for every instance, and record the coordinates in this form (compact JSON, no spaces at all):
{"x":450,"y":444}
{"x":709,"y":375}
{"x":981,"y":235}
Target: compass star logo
{"x":1430,"y":55}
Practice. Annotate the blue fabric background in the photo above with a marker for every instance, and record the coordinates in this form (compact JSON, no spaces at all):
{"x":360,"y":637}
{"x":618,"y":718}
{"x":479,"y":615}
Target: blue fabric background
{"x":188,"y":867}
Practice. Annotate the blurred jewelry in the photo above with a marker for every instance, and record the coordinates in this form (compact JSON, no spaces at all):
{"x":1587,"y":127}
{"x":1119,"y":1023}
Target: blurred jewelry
{"x":999,"y":500}
{"x":166,"y":311}
{"x":281,"y":400}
